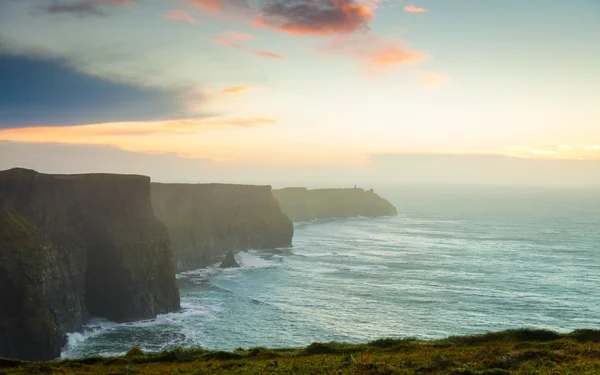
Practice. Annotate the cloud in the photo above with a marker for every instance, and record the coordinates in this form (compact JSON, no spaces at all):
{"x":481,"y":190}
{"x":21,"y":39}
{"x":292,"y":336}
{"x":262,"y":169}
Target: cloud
{"x":84,"y":8}
{"x":198,"y":138}
{"x":41,"y":91}
{"x":413,"y":9}
{"x":266,"y":54}
{"x":230,"y":39}
{"x":556,"y":151}
{"x":433,"y":80}
{"x":234,"y":91}
{"x":180,"y":15}
{"x":238,"y":36}
{"x":378,"y":54}
{"x":116,"y":134}
{"x":240,"y":122}
{"x":311,"y":17}
{"x":222,"y":6}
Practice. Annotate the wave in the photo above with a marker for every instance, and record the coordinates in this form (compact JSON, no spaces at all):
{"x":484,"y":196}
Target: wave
{"x":250,"y":260}
{"x":324,"y":270}
{"x":366,"y":267}
{"x":172,"y":325}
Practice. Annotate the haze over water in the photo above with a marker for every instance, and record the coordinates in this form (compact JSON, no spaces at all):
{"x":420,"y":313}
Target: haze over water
{"x":455,"y":261}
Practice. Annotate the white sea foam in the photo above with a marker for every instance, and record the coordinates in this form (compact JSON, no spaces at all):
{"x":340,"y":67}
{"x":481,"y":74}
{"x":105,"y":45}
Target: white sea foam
{"x":367,"y":267}
{"x":324,"y":270}
{"x":250,"y":259}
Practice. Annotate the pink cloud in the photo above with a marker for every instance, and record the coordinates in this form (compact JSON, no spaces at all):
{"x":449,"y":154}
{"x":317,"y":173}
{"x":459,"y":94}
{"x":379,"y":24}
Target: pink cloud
{"x":238,"y":36}
{"x":211,"y":6}
{"x":180,"y":15}
{"x":378,"y":54}
{"x":230,"y":39}
{"x":266,"y":54}
{"x":413,"y":9}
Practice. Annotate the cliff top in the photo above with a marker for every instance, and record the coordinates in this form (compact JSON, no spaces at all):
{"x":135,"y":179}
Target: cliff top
{"x":523,"y":351}
{"x":25,"y":171}
{"x":208,"y":185}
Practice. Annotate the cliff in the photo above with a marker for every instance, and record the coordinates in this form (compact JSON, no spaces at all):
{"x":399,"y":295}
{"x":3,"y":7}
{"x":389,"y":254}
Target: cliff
{"x":205,"y":221}
{"x":301,"y":204}
{"x":74,"y":246}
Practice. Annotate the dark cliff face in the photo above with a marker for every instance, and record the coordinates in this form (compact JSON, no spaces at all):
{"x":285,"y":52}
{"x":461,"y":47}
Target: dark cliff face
{"x":301,"y":204}
{"x":206,"y":221}
{"x":74,"y":246}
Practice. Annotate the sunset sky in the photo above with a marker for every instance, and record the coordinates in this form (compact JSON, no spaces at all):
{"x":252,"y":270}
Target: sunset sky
{"x":330,"y":86}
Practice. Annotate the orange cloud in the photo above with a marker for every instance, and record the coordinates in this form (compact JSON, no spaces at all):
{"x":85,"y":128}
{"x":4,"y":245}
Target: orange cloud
{"x":241,"y":122}
{"x":234,"y":91}
{"x":180,"y":15}
{"x":378,"y":54}
{"x":433,"y":80}
{"x":309,"y":17}
{"x":224,"y":9}
{"x":413,"y":9}
{"x":117,"y":133}
{"x":197,"y":138}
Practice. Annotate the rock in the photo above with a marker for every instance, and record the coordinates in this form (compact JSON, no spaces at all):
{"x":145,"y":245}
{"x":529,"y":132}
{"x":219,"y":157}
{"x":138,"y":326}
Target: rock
{"x":205,"y":221}
{"x":301,"y":204}
{"x":74,"y":246}
{"x":229,"y":261}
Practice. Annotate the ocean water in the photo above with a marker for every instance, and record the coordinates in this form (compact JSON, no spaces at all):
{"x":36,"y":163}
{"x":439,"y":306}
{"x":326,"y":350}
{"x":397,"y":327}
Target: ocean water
{"x":456,"y":261}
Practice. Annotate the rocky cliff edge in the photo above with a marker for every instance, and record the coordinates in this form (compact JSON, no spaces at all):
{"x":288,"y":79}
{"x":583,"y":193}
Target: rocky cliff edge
{"x":73,"y":246}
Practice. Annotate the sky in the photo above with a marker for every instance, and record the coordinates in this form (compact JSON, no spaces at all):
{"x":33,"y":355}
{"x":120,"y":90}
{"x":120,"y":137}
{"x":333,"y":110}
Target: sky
{"x":303,"y":91}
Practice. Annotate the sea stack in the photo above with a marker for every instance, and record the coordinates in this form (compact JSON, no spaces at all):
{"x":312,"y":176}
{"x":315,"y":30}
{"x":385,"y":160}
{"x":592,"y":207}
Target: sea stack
{"x":229,"y":261}
{"x":301,"y":204}
{"x":72,"y":246}
{"x":205,"y":221}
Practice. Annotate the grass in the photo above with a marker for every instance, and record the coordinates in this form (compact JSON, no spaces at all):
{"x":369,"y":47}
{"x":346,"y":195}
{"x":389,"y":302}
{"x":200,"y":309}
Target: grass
{"x":522,"y":351}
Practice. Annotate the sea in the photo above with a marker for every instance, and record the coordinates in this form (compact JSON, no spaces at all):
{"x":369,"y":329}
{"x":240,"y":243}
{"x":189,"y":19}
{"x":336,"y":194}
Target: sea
{"x":457,"y":260}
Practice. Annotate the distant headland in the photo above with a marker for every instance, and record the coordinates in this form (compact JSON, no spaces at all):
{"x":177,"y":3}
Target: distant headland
{"x":302,"y":204}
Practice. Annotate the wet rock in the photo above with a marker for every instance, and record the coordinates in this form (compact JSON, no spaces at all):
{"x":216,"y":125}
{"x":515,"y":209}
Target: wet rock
{"x":229,"y":261}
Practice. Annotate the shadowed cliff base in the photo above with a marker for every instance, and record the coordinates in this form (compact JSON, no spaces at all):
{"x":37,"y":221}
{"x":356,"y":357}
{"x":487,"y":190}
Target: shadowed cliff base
{"x":205,"y":221}
{"x":301,"y":204}
{"x":73,"y":246}
{"x":524,"y":351}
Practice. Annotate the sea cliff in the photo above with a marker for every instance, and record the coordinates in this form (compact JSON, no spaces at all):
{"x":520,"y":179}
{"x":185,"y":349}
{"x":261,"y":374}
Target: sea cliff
{"x":74,"y":246}
{"x":205,"y":221}
{"x":302,"y":204}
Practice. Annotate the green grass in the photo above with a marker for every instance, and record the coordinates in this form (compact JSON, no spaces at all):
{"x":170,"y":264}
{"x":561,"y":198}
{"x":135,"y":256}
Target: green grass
{"x":523,"y":351}
{"x":16,"y":230}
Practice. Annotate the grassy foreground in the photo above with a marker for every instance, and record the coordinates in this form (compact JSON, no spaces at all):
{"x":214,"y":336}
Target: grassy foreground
{"x":510,"y":352}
